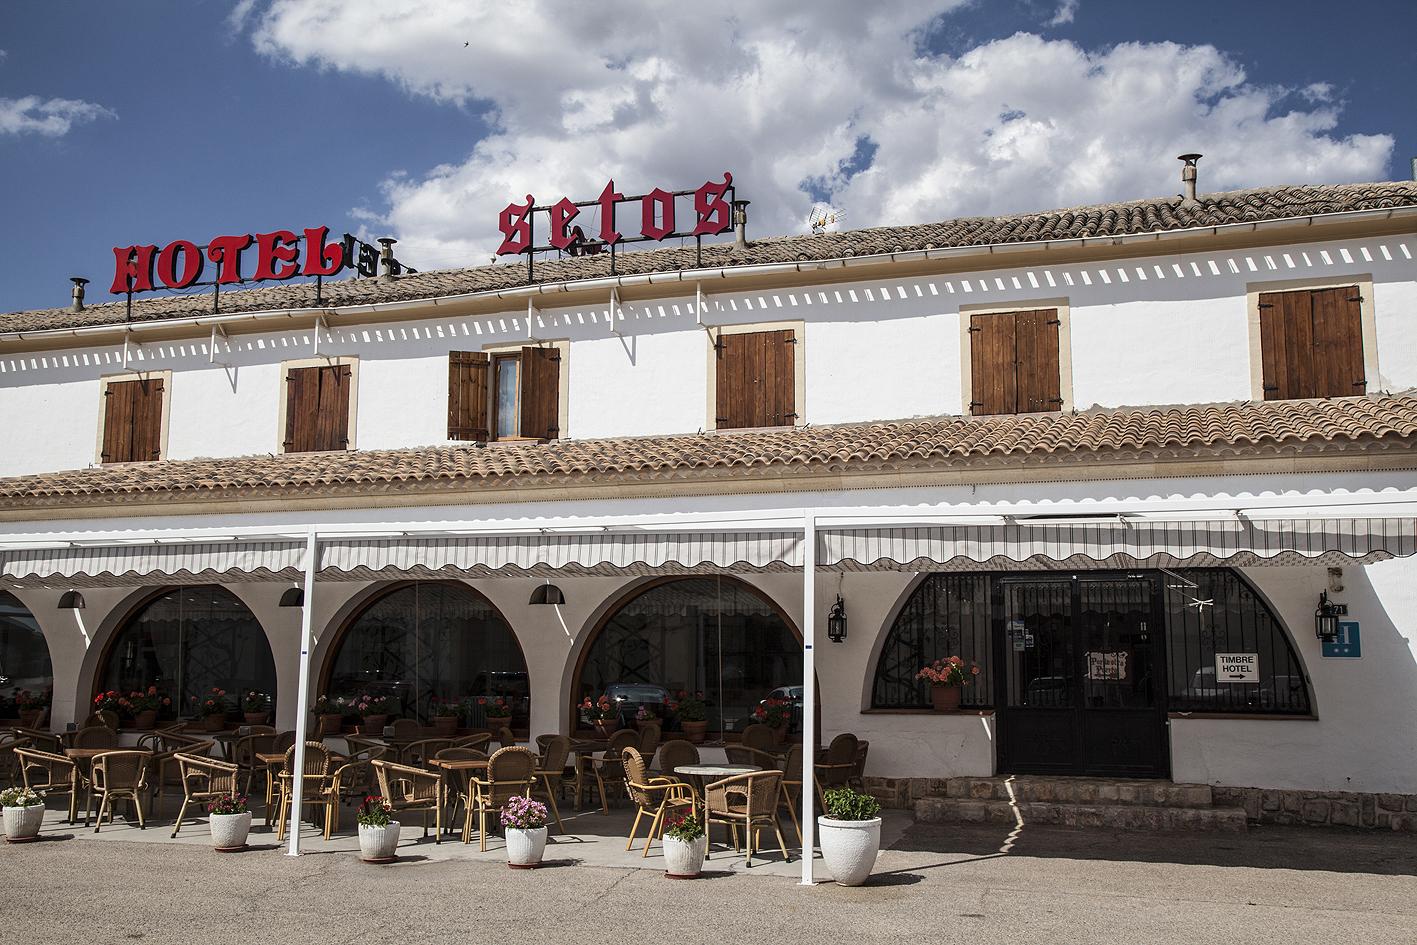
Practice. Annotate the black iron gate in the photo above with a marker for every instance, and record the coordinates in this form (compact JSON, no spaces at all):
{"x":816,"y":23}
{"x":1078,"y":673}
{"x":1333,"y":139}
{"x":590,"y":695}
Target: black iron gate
{"x":1083,"y":674}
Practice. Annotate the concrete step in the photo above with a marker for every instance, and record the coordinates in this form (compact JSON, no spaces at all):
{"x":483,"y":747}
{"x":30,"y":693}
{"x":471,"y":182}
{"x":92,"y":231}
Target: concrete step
{"x":1073,"y":790}
{"x":1140,"y":817}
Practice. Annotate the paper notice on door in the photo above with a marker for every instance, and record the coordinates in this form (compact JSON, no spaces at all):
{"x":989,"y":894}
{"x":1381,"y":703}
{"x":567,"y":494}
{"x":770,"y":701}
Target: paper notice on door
{"x":1107,"y":665}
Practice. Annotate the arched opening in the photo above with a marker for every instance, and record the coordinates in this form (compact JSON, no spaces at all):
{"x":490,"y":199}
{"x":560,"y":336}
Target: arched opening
{"x":26,"y":675}
{"x":187,"y":641}
{"x":428,"y":640}
{"x":716,"y":635}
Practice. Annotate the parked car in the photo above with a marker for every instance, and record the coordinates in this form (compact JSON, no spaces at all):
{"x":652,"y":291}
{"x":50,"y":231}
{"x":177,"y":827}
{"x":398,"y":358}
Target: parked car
{"x":791,"y":694}
{"x":628,"y":697}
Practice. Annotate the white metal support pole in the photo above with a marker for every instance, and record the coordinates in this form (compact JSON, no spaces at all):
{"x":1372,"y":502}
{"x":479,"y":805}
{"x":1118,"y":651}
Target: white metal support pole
{"x":302,"y":705}
{"x":809,"y":692}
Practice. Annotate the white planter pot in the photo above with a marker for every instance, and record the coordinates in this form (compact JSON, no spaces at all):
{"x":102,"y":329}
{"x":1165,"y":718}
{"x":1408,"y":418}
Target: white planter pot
{"x":229,"y":830}
{"x":684,"y":859}
{"x":23,"y":823}
{"x":379,"y":844}
{"x":525,"y":847}
{"x":849,"y":848}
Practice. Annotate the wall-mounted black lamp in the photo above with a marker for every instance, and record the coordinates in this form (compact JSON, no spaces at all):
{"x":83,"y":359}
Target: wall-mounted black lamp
{"x":547,"y":594}
{"x":293,"y":597}
{"x":836,"y":621}
{"x":71,"y":600}
{"x":1326,"y":618}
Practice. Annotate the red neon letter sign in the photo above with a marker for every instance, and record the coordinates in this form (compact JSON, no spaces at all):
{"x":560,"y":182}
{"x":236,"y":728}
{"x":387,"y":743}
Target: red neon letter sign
{"x":133,"y":271}
{"x":515,"y":224}
{"x":322,"y":259}
{"x":562,"y":213}
{"x":225,"y":251}
{"x":191,"y":264}
{"x":272,"y":248}
{"x":608,"y":199}
{"x":665,"y":201}
{"x":715,"y":215}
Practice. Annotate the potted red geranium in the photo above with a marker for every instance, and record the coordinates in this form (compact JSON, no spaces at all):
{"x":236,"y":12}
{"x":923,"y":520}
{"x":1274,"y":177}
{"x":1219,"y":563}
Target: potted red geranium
{"x":145,"y":704}
{"x":255,"y":707}
{"x":602,"y":715}
{"x":776,"y":714}
{"x":211,"y":709}
{"x":947,"y":678}
{"x":445,"y":716}
{"x":498,"y":712}
{"x":692,"y":713}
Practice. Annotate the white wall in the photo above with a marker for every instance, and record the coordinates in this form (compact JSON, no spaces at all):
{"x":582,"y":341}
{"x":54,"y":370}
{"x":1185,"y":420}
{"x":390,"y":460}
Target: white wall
{"x":1162,"y":330}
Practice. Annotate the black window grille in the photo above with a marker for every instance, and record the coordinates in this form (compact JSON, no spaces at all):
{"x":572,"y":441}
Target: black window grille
{"x":947,"y":615}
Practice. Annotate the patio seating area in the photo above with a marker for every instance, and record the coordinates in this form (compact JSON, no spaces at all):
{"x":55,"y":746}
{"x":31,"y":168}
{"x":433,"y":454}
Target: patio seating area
{"x":609,"y":799}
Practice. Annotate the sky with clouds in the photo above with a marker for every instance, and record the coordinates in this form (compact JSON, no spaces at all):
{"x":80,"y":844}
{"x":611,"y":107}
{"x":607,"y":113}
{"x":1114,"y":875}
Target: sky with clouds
{"x":421,"y":119}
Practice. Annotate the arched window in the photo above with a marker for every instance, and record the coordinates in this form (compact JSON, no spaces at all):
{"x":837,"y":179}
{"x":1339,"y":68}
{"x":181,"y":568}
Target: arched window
{"x":1206,"y":611}
{"x":417,"y":641}
{"x":714,"y":635}
{"x":26,"y":677}
{"x":187,"y":641}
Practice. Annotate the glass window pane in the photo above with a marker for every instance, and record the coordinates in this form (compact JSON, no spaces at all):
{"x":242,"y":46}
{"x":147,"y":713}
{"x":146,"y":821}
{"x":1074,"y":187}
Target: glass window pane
{"x":24,"y":656}
{"x":947,"y":615}
{"x":508,"y":415}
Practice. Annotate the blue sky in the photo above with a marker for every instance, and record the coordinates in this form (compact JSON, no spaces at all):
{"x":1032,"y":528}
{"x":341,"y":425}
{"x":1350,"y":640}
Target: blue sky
{"x":148,"y":122}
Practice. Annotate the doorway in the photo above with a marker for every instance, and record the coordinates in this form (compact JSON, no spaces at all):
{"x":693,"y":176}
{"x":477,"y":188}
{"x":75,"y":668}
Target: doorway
{"x":1082,"y":687}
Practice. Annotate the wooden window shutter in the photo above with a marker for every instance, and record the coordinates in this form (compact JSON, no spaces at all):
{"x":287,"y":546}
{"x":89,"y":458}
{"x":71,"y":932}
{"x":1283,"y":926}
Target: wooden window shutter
{"x":147,"y":420}
{"x":1287,"y":345}
{"x":993,"y":373}
{"x":132,"y":421}
{"x":1039,"y":386}
{"x":1338,"y":342}
{"x":467,"y":395}
{"x":317,"y":408}
{"x":540,"y":393}
{"x":756,"y":380}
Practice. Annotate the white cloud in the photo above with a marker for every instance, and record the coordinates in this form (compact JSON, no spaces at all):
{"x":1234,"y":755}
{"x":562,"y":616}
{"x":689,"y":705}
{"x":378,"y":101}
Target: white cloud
{"x":784,"y":97}
{"x":51,"y":117}
{"x":1066,"y":11}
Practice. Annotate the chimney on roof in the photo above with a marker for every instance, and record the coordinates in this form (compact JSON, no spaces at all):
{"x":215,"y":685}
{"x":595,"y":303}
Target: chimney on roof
{"x":77,"y":293}
{"x":1188,"y":177}
{"x":1414,"y":168}
{"x":740,"y":224}
{"x":386,"y":258}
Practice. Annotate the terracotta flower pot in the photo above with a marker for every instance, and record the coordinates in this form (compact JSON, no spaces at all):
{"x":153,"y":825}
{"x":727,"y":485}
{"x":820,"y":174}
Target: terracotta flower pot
{"x":607,"y":727}
{"x":779,"y":734}
{"x":373,"y":724}
{"x":255,"y":718}
{"x":495,"y":723}
{"x":946,"y":698}
{"x":694,"y":731}
{"x":214,"y":722}
{"x":145,"y":720}
{"x":331,"y":723}
{"x":445,"y":725}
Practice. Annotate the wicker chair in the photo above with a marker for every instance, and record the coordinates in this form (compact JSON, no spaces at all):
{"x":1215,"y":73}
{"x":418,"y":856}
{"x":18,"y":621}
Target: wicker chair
{"x":607,"y":767}
{"x":551,"y":771}
{"x":654,"y":798}
{"x":244,"y":753}
{"x":505,"y":737}
{"x":104,"y":717}
{"x":457,"y":792}
{"x":314,"y":785}
{"x":757,"y":736}
{"x":739,"y":755}
{"x":9,"y":765}
{"x":163,"y":769}
{"x":836,"y":766}
{"x":412,"y":790}
{"x":649,"y":740}
{"x":511,"y":771}
{"x":748,"y":801}
{"x":858,"y":777}
{"x":405,"y":729}
{"x":48,"y":773}
{"x":283,"y":741}
{"x":673,"y":754}
{"x":96,"y":736}
{"x":354,"y":778}
{"x":416,"y":754}
{"x":480,"y":741}
{"x":40,"y":738}
{"x":203,"y":780}
{"x":118,"y":774}
{"x":792,"y":788}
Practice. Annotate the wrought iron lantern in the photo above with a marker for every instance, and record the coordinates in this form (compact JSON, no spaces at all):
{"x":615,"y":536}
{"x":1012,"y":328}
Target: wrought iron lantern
{"x":1326,"y":619}
{"x":836,"y":621}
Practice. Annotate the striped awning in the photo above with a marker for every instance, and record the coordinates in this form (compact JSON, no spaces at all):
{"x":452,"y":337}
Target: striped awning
{"x":1024,"y":545}
{"x":167,"y":563}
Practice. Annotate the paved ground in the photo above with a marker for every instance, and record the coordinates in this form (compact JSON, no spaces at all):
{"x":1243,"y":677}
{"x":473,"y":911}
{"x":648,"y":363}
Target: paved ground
{"x":937,"y":884}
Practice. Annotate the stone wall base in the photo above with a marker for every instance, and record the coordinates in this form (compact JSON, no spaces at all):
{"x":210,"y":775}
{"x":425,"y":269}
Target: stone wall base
{"x":1261,"y":805}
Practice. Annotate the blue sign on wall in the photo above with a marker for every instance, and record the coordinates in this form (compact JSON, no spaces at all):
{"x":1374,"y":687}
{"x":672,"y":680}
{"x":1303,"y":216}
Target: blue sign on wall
{"x":1348,"y":645}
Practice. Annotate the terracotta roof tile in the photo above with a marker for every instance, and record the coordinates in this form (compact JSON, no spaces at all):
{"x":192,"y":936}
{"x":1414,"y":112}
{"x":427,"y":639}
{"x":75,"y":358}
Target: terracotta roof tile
{"x":1122,"y":434}
{"x":1140,"y":216}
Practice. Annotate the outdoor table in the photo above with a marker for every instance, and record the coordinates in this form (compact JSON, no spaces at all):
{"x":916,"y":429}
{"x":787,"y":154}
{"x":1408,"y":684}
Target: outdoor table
{"x":454,"y":766}
{"x":83,"y":758}
{"x":580,"y":747}
{"x":697,"y":773}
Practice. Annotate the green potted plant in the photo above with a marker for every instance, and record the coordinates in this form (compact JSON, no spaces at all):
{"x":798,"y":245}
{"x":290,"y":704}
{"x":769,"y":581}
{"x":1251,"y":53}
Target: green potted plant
{"x":255,"y":707}
{"x":776,"y":714}
{"x":330,"y":713}
{"x":497,"y":711}
{"x":378,"y":831}
{"x":230,"y":820}
{"x":373,"y":711}
{"x":144,"y":705}
{"x":692,"y":713}
{"x":602,"y":715}
{"x":685,"y":844}
{"x":524,"y":826}
{"x":32,"y":706}
{"x":445,"y":716}
{"x":849,"y":832}
{"x":211,"y":709}
{"x":947,"y":678}
{"x":23,"y":814}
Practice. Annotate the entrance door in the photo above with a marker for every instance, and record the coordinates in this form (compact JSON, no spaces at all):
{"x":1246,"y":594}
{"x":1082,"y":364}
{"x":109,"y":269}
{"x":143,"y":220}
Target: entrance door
{"x":1083,"y":668}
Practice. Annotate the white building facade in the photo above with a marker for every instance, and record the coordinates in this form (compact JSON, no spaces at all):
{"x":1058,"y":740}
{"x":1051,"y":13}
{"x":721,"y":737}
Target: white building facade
{"x":1091,"y":452}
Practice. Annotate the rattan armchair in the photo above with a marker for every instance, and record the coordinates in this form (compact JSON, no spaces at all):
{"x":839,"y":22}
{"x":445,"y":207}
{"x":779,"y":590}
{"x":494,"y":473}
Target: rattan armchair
{"x":506,"y":737}
{"x":353,"y":778}
{"x":858,"y":777}
{"x":412,"y":790}
{"x":836,"y":766}
{"x":119,"y":774}
{"x":455,"y":781}
{"x":96,"y":736}
{"x":791,"y":792}
{"x":674,"y":754}
{"x":511,"y":771}
{"x":740,"y":755}
{"x":607,"y":767}
{"x":203,"y":780}
{"x":314,"y":784}
{"x":9,"y":765}
{"x":48,"y":773}
{"x":244,"y":753}
{"x":551,"y":771}
{"x":405,"y":729}
{"x":480,"y":741}
{"x":655,"y":798}
{"x":748,"y":801}
{"x":757,"y":735}
{"x":650,"y":735}
{"x":416,"y":754}
{"x":163,"y":769}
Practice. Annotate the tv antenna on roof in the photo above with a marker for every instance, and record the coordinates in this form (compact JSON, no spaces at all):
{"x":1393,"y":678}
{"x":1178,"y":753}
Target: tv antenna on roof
{"x":824,"y":218}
